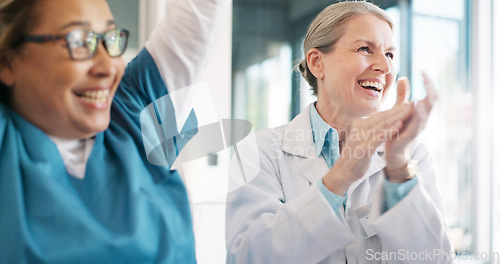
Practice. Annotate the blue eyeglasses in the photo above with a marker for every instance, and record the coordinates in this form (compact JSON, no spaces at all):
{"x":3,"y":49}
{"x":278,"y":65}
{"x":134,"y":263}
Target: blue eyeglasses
{"x":82,"y":44}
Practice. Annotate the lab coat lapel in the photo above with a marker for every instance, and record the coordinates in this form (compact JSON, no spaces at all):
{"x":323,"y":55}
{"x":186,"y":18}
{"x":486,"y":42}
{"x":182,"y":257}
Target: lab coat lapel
{"x":313,"y":169}
{"x":297,"y":141}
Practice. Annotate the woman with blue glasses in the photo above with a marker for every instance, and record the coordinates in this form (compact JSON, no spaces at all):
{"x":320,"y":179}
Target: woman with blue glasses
{"x":75,"y":183}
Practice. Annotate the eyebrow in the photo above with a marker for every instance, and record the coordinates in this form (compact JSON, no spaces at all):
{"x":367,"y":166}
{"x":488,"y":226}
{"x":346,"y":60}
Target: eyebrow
{"x":371,"y":43}
{"x":84,"y":24}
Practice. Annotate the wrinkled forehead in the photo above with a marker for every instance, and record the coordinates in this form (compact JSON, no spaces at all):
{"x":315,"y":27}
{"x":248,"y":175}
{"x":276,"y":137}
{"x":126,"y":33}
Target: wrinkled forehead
{"x":53,"y":16}
{"x":369,"y":27}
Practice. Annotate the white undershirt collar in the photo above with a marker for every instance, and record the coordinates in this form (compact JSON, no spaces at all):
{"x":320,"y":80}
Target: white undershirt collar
{"x":75,"y":154}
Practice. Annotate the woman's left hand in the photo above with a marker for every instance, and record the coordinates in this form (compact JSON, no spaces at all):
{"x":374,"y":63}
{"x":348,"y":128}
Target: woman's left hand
{"x":397,"y":148}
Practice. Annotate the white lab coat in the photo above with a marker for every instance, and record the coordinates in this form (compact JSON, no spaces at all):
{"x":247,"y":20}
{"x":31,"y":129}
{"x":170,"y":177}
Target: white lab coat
{"x":280,"y":216}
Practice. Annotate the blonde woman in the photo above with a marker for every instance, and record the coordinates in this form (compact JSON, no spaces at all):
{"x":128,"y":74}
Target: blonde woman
{"x":342,"y":182}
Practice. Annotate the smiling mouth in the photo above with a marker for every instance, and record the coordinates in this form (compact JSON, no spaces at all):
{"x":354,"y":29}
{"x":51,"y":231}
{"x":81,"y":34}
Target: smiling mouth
{"x":376,"y":86}
{"x":94,"y":97}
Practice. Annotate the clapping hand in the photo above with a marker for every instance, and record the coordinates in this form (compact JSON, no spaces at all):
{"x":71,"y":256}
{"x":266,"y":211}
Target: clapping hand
{"x":397,"y":148}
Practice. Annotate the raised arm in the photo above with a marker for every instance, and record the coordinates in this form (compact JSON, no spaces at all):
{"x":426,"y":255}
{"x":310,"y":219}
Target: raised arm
{"x":180,"y":45}
{"x":161,"y":84}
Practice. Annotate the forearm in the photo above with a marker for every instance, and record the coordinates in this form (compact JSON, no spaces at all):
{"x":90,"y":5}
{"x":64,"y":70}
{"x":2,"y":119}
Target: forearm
{"x":395,"y":192}
{"x":414,"y":226}
{"x":416,"y":223}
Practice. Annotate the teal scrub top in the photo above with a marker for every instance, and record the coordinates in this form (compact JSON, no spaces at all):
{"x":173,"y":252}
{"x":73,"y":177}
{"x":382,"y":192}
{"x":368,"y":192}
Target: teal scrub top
{"x":125,"y":210}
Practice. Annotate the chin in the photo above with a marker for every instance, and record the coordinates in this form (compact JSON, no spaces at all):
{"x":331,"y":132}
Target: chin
{"x":93,"y":128}
{"x":100,"y":128}
{"x":368,"y":110}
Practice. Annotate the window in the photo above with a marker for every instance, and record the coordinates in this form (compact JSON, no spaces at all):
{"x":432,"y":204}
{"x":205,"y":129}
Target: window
{"x":440,"y":48}
{"x":262,"y":63}
{"x":262,"y":90}
{"x":126,"y":16}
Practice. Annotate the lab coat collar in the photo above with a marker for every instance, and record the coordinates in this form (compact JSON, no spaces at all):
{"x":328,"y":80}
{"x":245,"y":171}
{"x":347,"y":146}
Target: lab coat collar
{"x":297,"y":139}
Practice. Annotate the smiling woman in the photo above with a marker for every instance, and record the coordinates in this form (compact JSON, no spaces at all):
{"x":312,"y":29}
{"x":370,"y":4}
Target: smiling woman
{"x":75,"y":181}
{"x":53,"y":100}
{"x":342,"y":182}
{"x":361,"y":53}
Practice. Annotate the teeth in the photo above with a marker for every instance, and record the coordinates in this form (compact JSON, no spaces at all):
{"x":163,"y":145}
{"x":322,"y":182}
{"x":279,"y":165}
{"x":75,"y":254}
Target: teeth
{"x":376,"y":85}
{"x":94,"y":97}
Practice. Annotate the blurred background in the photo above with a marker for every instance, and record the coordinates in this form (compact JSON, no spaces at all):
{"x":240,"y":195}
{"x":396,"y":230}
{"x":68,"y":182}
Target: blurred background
{"x":252,"y":77}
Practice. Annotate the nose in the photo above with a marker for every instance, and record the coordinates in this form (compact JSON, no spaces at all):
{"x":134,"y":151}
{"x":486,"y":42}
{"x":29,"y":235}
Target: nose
{"x":381,"y":63}
{"x":103,"y":64}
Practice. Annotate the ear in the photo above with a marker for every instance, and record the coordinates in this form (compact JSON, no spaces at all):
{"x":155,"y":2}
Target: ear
{"x":7,"y":74}
{"x":315,"y":63}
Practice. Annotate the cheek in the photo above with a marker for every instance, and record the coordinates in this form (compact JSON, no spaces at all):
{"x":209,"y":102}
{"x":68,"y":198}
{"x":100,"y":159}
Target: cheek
{"x":390,"y":80}
{"x":391,"y":77}
{"x":67,"y":75}
{"x":120,"y":66}
{"x":51,"y":66}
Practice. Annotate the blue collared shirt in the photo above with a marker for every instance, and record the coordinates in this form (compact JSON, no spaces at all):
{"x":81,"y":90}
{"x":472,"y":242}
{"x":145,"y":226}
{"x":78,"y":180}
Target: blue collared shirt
{"x":326,"y":142}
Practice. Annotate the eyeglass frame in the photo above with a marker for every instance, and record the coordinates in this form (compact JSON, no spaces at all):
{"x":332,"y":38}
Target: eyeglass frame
{"x":100,"y":39}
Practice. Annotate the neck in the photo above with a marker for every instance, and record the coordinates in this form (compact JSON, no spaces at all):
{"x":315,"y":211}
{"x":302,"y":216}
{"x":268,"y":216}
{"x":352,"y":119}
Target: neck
{"x":334,"y":116}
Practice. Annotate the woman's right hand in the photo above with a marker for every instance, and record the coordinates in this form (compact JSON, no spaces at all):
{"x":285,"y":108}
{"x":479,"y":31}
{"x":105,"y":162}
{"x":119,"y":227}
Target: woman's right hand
{"x":363,"y":138}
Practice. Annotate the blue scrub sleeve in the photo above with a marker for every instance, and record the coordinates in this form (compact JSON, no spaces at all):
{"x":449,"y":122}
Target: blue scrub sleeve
{"x":3,"y":120}
{"x":143,"y":97}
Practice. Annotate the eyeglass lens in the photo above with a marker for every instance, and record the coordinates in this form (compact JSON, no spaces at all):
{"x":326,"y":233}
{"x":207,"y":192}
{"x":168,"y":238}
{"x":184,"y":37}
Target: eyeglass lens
{"x":83,"y":43}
